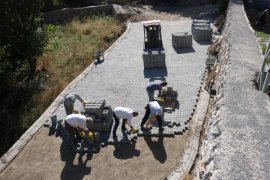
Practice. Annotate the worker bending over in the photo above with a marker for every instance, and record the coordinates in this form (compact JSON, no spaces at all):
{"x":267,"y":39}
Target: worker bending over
{"x":126,"y":114}
{"x":153,"y":111}
{"x":76,"y":124}
{"x":151,"y":87}
{"x":69,"y":102}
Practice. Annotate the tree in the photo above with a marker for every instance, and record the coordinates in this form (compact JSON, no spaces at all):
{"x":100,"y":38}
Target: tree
{"x":22,"y":39}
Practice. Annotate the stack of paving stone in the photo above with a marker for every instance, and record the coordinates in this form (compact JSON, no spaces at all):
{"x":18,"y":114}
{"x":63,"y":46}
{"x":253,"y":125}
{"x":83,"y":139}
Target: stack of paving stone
{"x":154,"y":58}
{"x":100,"y":113}
{"x":201,"y":30}
{"x":182,"y":40}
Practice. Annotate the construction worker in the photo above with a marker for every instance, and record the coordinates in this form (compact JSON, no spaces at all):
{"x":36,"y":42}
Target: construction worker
{"x":126,"y":114}
{"x":69,"y":101}
{"x":151,"y":87}
{"x":153,"y":111}
{"x":77,"y":124}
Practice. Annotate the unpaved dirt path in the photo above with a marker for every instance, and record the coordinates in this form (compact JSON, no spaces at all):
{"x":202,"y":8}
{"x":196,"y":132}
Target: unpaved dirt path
{"x":149,"y":158}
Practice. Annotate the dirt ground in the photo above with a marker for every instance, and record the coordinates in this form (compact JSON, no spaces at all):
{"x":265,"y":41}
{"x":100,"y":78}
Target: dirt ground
{"x":45,"y":157}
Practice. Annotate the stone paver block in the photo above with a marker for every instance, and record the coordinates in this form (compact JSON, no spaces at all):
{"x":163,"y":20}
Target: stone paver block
{"x":182,"y":40}
{"x":154,"y":58}
{"x":202,"y":33}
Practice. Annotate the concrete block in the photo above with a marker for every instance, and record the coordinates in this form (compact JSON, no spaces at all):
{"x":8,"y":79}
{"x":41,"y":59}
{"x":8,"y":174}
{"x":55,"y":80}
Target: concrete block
{"x":154,"y":58}
{"x":202,"y":33}
{"x":182,"y":40}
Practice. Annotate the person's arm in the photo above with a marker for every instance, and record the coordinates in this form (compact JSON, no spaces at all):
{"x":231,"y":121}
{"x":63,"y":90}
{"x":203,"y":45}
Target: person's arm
{"x":129,"y":122}
{"x":79,"y":97}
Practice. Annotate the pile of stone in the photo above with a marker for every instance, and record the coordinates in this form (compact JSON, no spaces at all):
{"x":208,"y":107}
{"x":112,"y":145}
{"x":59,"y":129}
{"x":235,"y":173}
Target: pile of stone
{"x":201,"y":30}
{"x":182,"y":40}
{"x":100,"y":113}
{"x":169,"y":95}
{"x":154,"y":58}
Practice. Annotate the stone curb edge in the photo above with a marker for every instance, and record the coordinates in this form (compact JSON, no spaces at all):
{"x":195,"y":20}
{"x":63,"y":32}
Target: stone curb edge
{"x":6,"y":159}
{"x":186,"y":161}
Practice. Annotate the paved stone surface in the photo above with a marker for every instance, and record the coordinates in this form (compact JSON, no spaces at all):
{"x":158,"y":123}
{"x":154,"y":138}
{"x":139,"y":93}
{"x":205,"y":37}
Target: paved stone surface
{"x":121,"y":78}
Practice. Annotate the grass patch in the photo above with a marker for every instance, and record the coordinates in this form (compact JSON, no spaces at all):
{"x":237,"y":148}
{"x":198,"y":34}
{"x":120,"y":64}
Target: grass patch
{"x":70,"y":50}
{"x":262,"y":36}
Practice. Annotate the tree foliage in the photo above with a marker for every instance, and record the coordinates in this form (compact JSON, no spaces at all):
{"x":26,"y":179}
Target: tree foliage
{"x":22,"y":39}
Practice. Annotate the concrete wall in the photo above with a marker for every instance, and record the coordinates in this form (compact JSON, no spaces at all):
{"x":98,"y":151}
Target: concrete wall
{"x":236,"y":143}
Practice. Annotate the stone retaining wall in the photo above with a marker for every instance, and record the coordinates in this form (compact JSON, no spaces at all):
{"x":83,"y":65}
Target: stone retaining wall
{"x":66,"y":14}
{"x":235,"y":142}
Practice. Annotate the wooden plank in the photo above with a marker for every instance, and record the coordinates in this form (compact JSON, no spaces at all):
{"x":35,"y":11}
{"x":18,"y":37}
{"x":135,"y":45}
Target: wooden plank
{"x":210,"y":76}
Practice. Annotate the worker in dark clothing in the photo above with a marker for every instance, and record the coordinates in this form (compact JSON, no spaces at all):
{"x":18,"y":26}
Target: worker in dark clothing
{"x":151,"y":87}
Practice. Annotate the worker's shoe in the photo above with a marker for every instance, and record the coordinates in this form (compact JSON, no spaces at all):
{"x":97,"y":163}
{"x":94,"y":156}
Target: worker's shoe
{"x":161,"y":129}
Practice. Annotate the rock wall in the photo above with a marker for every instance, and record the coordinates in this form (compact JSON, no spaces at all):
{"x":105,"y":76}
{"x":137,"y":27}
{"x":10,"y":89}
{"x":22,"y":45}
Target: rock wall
{"x":236,"y":143}
{"x":66,"y":14}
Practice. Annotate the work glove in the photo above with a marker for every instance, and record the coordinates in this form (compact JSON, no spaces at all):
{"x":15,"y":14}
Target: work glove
{"x":82,"y":134}
{"x":91,"y":137}
{"x":133,"y":130}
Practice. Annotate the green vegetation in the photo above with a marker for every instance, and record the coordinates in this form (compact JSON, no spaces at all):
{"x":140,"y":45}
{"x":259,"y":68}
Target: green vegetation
{"x":262,"y":36}
{"x":263,"y":39}
{"x":69,"y":51}
{"x":22,"y":40}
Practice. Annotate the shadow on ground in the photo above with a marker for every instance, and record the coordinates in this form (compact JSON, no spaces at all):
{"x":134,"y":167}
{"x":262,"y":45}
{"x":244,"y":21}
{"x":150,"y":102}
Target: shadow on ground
{"x":184,"y":50}
{"x":156,"y":73}
{"x":72,"y":170}
{"x":126,"y":151}
{"x":157,"y":148}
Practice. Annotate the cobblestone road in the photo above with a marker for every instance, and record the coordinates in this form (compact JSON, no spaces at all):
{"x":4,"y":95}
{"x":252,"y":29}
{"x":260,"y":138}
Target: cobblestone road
{"x":121,"y":78}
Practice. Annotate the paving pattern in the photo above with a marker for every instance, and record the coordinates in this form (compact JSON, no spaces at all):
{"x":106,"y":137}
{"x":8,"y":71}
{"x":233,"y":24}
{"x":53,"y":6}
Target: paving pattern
{"x":121,"y":78}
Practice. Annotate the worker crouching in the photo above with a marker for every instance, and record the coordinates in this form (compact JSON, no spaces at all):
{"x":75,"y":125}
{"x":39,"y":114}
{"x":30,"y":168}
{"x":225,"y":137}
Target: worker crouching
{"x":153,"y":111}
{"x":126,"y":114}
{"x":69,"y":102}
{"x":77,"y":126}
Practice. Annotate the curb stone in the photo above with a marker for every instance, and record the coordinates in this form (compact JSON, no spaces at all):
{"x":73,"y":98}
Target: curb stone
{"x":185,"y":163}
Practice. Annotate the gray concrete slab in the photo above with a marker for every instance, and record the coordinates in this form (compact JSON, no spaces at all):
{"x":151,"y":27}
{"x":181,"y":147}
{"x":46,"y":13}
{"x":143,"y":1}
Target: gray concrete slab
{"x":121,"y":78}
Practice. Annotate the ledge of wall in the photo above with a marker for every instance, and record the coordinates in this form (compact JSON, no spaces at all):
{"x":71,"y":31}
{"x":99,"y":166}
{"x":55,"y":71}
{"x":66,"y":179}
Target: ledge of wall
{"x":236,"y":143}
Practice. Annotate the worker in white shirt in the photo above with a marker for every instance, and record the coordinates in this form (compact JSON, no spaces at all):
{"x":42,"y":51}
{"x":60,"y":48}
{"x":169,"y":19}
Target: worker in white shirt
{"x":126,"y":114}
{"x":69,"y":102}
{"x":76,"y":123}
{"x":153,"y":111}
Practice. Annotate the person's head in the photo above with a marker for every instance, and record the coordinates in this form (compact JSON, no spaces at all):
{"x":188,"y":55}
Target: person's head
{"x":164,"y":83}
{"x":135,"y":113}
{"x":89,"y":122}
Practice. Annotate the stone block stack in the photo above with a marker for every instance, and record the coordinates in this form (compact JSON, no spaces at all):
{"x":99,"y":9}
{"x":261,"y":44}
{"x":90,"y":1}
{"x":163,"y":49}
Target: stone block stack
{"x":154,"y":58}
{"x":182,"y":40}
{"x":100,"y":113}
{"x":201,"y":30}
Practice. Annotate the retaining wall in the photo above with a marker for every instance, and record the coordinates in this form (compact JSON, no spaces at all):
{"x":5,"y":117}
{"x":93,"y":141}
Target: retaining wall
{"x":236,"y":143}
{"x":66,"y":14}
